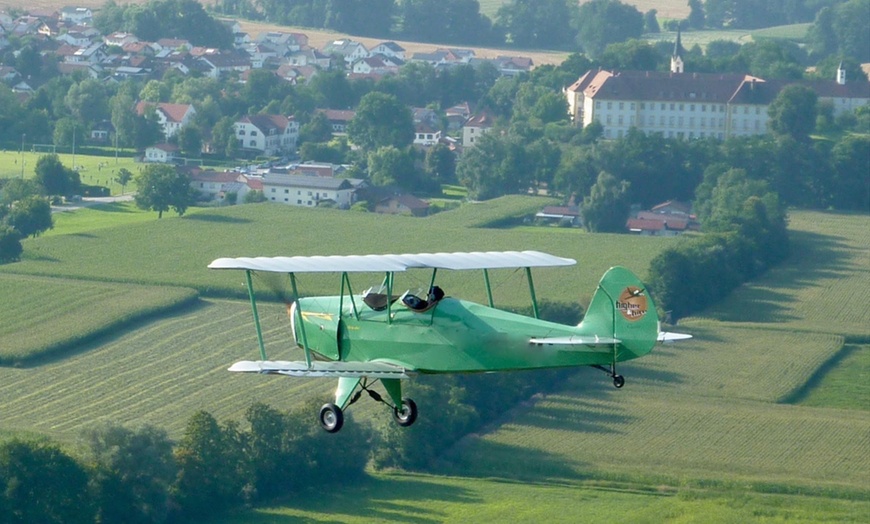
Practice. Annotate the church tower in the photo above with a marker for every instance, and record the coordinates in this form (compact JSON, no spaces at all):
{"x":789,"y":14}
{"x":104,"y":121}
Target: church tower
{"x":677,"y":57}
{"x":841,"y":74}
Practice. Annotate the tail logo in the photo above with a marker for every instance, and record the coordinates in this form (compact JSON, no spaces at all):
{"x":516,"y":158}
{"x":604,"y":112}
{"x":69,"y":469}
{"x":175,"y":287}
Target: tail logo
{"x":632,"y":303}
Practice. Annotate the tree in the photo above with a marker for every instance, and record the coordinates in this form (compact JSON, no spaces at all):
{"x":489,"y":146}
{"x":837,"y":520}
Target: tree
{"x":631,"y":55}
{"x":850,"y":159}
{"x":190,"y":141}
{"x":536,"y":23}
{"x":160,"y":187}
{"x":850,"y":26}
{"x":496,"y":165}
{"x":650,"y":22}
{"x":381,"y":120}
{"x":440,"y":164}
{"x":318,"y":129}
{"x":605,"y":208}
{"x":30,"y":216}
{"x":132,"y":471}
{"x":87,"y":101}
{"x":697,"y":18}
{"x":55,"y":178}
{"x":793,"y":112}
{"x":389,"y":166}
{"x":14,"y":189}
{"x":602,"y":22}
{"x":124,"y":177}
{"x":41,"y":483}
{"x":10,"y":249}
{"x":210,"y":467}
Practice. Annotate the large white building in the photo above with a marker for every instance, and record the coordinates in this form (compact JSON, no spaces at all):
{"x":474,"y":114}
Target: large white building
{"x":307,"y":191}
{"x":268,"y":135}
{"x":692,"y":105}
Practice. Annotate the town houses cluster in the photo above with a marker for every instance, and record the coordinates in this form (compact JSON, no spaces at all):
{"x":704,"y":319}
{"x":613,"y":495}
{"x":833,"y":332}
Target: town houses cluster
{"x":68,"y":36}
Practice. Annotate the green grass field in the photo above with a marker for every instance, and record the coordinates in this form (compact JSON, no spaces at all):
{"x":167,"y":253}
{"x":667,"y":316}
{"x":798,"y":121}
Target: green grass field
{"x":400,"y":497}
{"x":763,"y":417}
{"x":44,"y":315}
{"x":93,"y":170}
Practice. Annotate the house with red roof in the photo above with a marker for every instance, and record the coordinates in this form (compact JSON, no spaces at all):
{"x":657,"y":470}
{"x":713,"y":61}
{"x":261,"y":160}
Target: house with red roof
{"x":267,"y":135}
{"x":171,"y":117}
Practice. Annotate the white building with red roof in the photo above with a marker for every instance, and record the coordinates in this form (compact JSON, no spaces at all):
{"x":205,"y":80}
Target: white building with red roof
{"x":171,"y":117}
{"x":267,"y":135}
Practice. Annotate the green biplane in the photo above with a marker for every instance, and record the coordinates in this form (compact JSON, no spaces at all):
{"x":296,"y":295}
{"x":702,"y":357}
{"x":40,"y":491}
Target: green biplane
{"x":382,"y":335}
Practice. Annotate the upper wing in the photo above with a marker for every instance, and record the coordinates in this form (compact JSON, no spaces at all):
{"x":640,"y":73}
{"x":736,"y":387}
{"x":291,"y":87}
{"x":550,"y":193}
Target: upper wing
{"x":323,"y":369}
{"x":378,"y":263}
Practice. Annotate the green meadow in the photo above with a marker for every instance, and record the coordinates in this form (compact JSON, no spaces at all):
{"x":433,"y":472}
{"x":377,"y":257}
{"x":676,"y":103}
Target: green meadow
{"x":762,"y":417}
{"x":93,"y":170}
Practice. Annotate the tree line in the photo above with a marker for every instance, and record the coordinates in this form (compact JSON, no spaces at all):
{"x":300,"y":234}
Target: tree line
{"x":552,"y":24}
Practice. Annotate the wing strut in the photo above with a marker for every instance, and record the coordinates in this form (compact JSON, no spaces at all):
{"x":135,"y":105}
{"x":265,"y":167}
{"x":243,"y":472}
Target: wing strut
{"x":301,"y":324}
{"x":532,"y":291}
{"x":256,"y":315}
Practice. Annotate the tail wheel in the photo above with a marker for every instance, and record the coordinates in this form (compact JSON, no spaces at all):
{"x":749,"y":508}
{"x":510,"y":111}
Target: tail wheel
{"x":618,"y":381}
{"x":331,"y":418}
{"x":405,"y":414}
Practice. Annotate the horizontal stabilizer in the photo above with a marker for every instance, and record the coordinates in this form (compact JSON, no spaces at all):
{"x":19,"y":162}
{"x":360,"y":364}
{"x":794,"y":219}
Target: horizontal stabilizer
{"x":322,"y":369}
{"x":671,"y":337}
{"x":575,"y":340}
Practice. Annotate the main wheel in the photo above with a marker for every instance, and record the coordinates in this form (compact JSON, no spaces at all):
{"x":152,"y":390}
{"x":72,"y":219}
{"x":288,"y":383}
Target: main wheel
{"x":331,"y":417}
{"x":406,"y":414}
{"x":618,"y":381}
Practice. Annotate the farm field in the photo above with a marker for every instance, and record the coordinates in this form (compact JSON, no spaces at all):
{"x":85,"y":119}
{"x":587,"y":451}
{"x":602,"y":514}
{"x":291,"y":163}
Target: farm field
{"x":176,"y":251}
{"x":701,"y":428}
{"x":401,"y":497}
{"x":43,"y":315}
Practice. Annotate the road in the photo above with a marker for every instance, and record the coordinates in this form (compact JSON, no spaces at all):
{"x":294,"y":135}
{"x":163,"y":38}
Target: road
{"x":90,"y":201}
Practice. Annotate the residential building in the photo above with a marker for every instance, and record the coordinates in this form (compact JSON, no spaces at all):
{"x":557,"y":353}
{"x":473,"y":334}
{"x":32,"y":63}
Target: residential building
{"x":267,"y":135}
{"x":307,"y":191}
{"x":403,"y":204}
{"x":161,"y":153}
{"x":475,"y":127}
{"x":171,"y":117}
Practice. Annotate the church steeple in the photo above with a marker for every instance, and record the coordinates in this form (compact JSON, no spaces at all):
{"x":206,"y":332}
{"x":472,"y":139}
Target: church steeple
{"x":677,"y":57}
{"x":841,"y":74}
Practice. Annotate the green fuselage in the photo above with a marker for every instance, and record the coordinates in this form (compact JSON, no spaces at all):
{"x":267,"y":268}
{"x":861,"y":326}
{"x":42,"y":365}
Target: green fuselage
{"x":454,"y":336}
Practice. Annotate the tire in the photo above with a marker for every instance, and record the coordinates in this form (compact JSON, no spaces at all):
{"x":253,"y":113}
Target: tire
{"x":407,"y":414}
{"x":618,"y":381}
{"x":331,"y":418}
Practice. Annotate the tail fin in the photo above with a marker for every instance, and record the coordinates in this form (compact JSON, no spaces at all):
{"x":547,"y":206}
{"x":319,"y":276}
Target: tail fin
{"x":622,"y":308}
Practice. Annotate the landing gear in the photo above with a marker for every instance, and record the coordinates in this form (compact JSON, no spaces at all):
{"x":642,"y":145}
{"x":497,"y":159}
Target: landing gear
{"x":406,"y":414}
{"x":618,"y":380}
{"x":331,"y":417}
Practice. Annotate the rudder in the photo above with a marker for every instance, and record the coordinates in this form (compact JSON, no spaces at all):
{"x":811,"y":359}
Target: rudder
{"x":622,"y":308}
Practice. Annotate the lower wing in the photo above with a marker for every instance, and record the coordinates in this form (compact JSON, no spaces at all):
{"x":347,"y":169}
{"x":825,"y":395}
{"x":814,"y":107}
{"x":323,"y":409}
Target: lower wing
{"x":323,"y":369}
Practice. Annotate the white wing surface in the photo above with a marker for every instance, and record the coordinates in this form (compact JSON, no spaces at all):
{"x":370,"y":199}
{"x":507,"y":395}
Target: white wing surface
{"x":322,"y":369}
{"x":379,"y":263}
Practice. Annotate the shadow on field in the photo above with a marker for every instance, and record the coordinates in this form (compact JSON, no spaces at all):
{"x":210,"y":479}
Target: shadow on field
{"x":814,"y":258}
{"x":477,"y":457}
{"x":115,"y":207}
{"x":221,"y":219}
{"x":397,"y":499}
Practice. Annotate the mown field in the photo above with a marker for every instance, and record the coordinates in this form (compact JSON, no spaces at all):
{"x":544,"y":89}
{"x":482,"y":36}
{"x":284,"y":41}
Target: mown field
{"x":176,"y":251}
{"x":723,"y":425}
{"x":43,"y":315}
